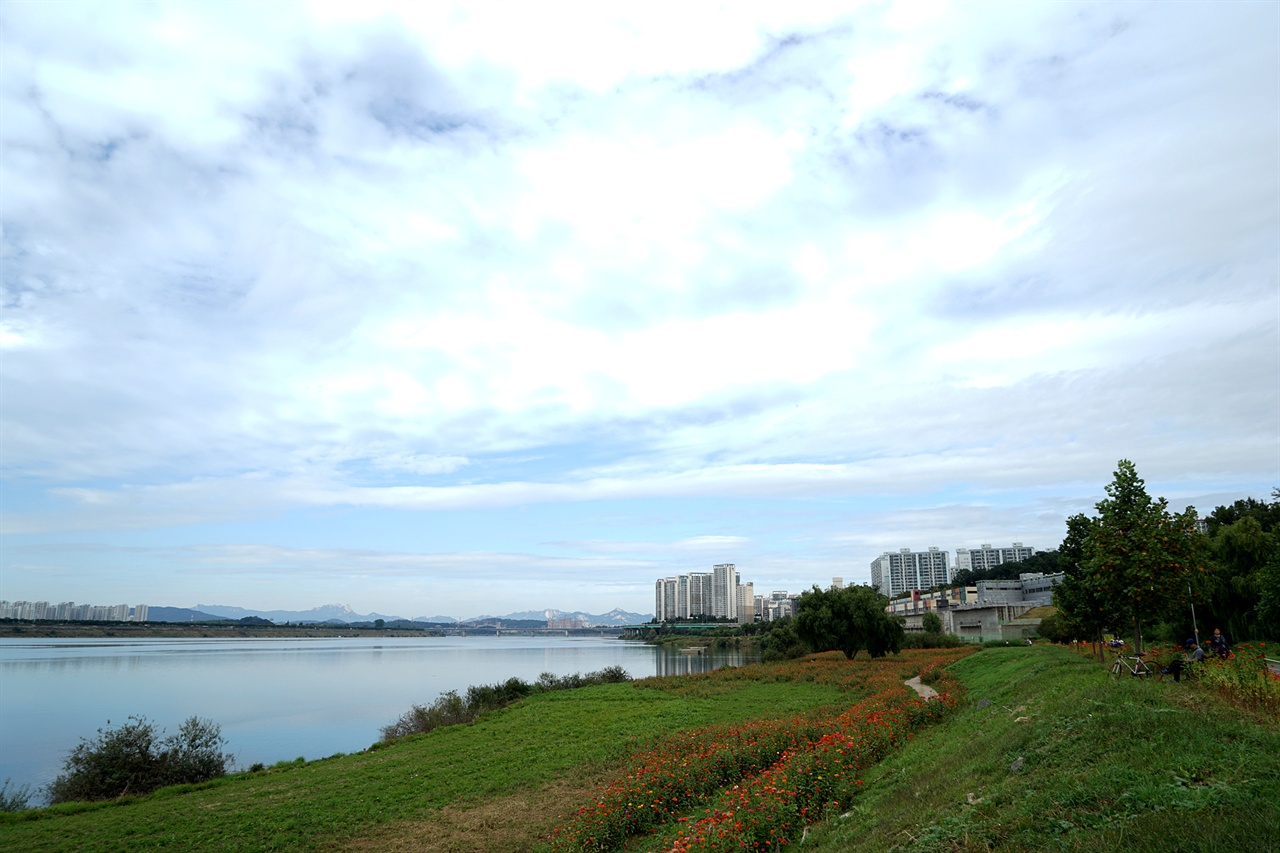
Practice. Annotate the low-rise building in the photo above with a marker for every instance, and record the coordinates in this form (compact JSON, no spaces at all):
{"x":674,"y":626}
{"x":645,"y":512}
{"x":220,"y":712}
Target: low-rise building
{"x":1032,"y":588}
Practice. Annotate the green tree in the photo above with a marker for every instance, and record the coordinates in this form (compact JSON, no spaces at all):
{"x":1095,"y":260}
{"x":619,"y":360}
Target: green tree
{"x":931,"y":623}
{"x":1049,"y":629}
{"x":1266,"y":514}
{"x":1241,"y":550}
{"x":1139,"y":555}
{"x":780,"y":642}
{"x":1269,"y":598}
{"x":1084,"y":609}
{"x":847,"y":619}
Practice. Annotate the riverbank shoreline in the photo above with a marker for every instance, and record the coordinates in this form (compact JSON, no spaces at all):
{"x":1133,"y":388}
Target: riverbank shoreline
{"x":10,"y":629}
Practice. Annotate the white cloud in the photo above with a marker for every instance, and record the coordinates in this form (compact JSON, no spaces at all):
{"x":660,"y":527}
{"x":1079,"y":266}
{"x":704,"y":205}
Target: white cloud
{"x":434,"y":258}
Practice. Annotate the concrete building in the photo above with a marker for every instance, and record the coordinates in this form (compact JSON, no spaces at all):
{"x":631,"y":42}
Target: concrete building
{"x":746,"y":603}
{"x":920,"y":603}
{"x":717,"y":594}
{"x":777,"y":605}
{"x":986,"y":557}
{"x":69,"y":611}
{"x":724,"y":591}
{"x":664,"y":599}
{"x":907,"y":570}
{"x":1031,"y":588}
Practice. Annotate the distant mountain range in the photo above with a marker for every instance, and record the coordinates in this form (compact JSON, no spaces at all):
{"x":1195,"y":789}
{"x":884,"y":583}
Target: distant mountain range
{"x":342,"y":614}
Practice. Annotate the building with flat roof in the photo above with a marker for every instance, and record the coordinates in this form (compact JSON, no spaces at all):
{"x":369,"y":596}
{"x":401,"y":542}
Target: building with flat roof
{"x":986,"y":557}
{"x":717,"y":594}
{"x":906,"y":570}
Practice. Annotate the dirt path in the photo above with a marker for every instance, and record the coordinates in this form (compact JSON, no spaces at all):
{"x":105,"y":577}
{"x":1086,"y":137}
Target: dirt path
{"x":924,"y":690}
{"x":510,"y":824}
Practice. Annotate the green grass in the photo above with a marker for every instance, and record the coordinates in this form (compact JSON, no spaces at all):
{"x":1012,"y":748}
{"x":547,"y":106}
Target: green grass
{"x":1130,"y":766}
{"x":1101,"y":765}
{"x":313,"y":805}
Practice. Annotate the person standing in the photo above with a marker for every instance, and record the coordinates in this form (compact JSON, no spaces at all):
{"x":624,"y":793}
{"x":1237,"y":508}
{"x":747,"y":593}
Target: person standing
{"x":1218,"y":644}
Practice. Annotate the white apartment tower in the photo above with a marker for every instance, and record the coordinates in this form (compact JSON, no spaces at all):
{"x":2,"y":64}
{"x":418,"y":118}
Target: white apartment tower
{"x":987,"y":557}
{"x":715,"y":594}
{"x":746,"y":603}
{"x":907,"y":570}
{"x":724,"y":591}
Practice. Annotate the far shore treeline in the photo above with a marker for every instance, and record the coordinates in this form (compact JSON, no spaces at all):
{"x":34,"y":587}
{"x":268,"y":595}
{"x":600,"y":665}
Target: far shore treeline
{"x":255,"y":627}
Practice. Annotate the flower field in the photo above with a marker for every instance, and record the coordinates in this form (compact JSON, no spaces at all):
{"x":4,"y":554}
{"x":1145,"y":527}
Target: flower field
{"x":1244,"y":679}
{"x":755,"y":786}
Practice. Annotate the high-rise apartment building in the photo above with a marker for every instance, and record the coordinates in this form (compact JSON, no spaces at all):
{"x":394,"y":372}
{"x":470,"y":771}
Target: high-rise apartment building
{"x":724,"y":591}
{"x":746,"y":602}
{"x":986,"y":557}
{"x":895,"y":573}
{"x":716,"y":594}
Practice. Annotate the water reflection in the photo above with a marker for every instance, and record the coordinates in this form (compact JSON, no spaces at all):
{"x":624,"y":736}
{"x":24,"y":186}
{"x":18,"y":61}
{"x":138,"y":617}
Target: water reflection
{"x":675,"y":662}
{"x":276,"y":699}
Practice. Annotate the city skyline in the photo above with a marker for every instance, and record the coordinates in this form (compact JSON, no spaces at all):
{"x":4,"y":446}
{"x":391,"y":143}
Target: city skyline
{"x":454,"y":308}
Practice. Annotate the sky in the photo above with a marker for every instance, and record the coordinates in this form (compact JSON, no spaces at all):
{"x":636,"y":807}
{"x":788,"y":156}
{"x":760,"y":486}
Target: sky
{"x":466,"y":309}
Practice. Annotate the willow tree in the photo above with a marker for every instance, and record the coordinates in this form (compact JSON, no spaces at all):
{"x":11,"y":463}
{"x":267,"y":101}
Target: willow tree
{"x":1138,"y":556}
{"x":847,"y":619}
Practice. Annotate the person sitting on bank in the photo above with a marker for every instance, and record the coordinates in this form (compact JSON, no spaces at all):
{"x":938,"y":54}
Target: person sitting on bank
{"x":1218,"y":644}
{"x":1195,"y":654}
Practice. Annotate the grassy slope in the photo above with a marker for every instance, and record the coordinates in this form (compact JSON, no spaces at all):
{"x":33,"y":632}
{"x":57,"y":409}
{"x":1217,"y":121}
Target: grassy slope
{"x":1105,"y":766}
{"x":317,"y":804}
{"x":1129,"y":766}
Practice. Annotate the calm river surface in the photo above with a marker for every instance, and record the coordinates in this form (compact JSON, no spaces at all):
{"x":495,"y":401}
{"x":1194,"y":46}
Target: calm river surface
{"x":276,"y":699}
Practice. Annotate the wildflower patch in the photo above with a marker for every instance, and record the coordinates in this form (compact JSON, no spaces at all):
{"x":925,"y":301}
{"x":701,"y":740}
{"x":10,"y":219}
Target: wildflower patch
{"x":756,"y":786}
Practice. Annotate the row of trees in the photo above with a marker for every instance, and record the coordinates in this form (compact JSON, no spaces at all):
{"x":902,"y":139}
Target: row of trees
{"x":1132,"y":565}
{"x":1135,"y":563}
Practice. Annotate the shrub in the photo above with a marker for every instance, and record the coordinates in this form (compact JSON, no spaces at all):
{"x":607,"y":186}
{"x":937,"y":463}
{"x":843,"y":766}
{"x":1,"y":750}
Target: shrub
{"x":450,"y":709}
{"x":930,"y":640}
{"x":14,"y":799}
{"x":135,"y":759}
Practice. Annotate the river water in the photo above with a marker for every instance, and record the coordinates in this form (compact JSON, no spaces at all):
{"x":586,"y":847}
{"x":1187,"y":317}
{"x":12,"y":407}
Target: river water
{"x":275,"y":699}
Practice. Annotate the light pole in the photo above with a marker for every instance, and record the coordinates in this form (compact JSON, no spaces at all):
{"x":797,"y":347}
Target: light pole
{"x":1194,"y":626}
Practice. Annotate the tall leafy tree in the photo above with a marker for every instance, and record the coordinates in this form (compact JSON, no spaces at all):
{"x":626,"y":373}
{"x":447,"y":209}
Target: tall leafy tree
{"x":848,"y":619}
{"x":1084,"y":609}
{"x":1241,"y":550}
{"x":1139,"y":555}
{"x":1269,"y":598}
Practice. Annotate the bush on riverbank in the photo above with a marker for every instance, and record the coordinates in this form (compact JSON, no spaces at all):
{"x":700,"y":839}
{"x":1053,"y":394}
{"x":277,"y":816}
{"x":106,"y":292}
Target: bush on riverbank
{"x":932,"y":640}
{"x":135,"y":759}
{"x":14,"y":799}
{"x":450,"y":709}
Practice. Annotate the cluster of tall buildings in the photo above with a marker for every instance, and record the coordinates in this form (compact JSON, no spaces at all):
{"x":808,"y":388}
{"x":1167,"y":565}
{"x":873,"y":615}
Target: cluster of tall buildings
{"x":718,"y":594}
{"x":69,"y":611}
{"x":900,"y":572}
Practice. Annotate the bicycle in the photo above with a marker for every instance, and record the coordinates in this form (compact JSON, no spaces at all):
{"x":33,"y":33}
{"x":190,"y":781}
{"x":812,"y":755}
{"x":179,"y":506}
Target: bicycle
{"x":1137,"y":668}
